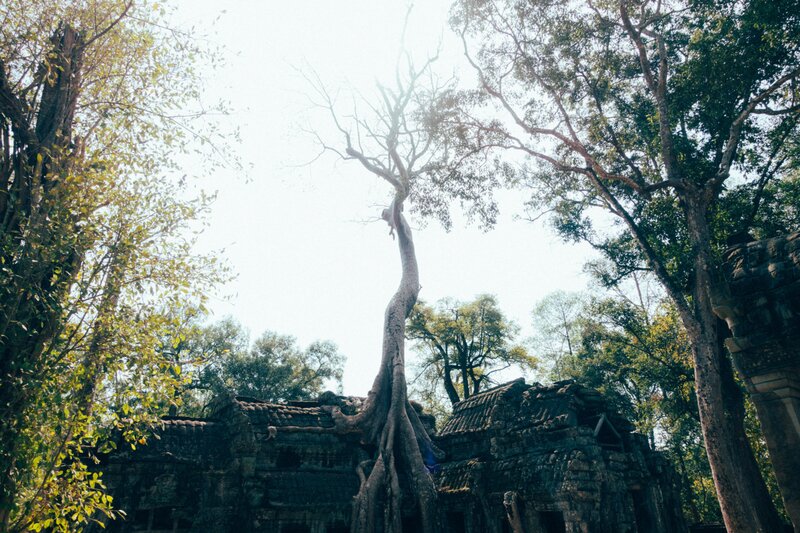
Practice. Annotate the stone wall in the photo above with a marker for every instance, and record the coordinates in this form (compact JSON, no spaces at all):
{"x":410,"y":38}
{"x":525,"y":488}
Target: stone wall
{"x":568,"y":464}
{"x":759,"y":298}
{"x":553,"y":457}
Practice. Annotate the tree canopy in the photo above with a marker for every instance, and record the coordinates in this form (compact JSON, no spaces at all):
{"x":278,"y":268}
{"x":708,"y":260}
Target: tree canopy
{"x":272,"y":368}
{"x":463,"y":344}
{"x":557,"y":326}
{"x":637,"y":121}
{"x":95,"y":252}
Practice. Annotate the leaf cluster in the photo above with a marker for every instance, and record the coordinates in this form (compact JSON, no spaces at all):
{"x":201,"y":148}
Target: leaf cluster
{"x":273,"y":367}
{"x":642,"y":110}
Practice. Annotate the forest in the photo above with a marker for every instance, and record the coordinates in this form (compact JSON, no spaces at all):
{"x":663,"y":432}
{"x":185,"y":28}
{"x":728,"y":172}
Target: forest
{"x":658,"y":134}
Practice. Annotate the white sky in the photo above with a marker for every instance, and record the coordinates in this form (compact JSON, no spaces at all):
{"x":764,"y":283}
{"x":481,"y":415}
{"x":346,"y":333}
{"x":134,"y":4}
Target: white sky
{"x":307,"y":263}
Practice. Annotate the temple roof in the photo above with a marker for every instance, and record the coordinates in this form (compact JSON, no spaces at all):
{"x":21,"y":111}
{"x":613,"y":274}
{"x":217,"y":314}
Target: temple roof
{"x":294,"y":414}
{"x":457,"y":476}
{"x":475,"y":413}
{"x":564,"y":403}
{"x":181,"y":438}
{"x":186,"y":424}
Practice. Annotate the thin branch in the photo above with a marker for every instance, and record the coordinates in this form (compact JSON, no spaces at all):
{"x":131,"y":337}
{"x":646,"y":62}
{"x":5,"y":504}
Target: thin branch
{"x":110,"y":26}
{"x":572,"y":141}
{"x":714,"y":184}
{"x":658,"y":89}
{"x":650,"y":255}
{"x":776,"y":112}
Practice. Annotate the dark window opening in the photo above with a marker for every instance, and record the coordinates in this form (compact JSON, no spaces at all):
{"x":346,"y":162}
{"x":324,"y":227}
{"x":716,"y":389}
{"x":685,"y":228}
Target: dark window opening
{"x":288,"y":458}
{"x":552,"y":522}
{"x":338,"y":527}
{"x":607,"y":436}
{"x":162,"y":519}
{"x":641,"y":512}
{"x":456,"y":522}
{"x":142,"y":517}
{"x":295,"y":528}
{"x":184,"y":523}
{"x":412,"y":523}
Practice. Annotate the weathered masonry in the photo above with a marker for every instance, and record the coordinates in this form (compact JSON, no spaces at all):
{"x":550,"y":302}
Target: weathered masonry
{"x":519,"y":458}
{"x":760,"y":301}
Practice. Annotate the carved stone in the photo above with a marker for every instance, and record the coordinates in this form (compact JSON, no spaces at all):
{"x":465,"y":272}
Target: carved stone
{"x":553,"y":458}
{"x":760,"y":301}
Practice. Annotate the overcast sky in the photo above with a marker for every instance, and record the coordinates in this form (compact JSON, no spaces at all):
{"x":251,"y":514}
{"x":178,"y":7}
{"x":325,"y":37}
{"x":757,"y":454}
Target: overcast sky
{"x":310,"y":256}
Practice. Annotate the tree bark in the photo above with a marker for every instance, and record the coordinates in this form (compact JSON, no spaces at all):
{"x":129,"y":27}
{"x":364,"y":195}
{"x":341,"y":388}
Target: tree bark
{"x":463,"y":361}
{"x":744,"y":500}
{"x":449,"y":387}
{"x":399,"y":479}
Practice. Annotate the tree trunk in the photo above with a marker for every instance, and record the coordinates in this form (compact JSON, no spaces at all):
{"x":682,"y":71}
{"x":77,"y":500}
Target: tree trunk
{"x":102,"y":331}
{"x":449,"y":387}
{"x":464,"y":374}
{"x":744,"y":501}
{"x":40,"y":257}
{"x":399,"y":479}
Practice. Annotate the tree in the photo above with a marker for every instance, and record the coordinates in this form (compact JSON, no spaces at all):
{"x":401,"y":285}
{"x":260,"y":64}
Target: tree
{"x":278,"y":370}
{"x":387,"y":420}
{"x":558,"y":325}
{"x":393,"y":142}
{"x":274,"y":368}
{"x":94,"y":257}
{"x":463,"y":344}
{"x":650,"y":112}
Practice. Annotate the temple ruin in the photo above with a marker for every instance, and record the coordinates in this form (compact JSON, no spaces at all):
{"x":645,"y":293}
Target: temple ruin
{"x":759,"y":298}
{"x":518,"y":458}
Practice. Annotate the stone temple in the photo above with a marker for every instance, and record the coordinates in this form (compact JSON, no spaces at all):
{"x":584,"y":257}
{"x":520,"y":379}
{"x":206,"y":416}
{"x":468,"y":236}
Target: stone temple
{"x":519,"y":458}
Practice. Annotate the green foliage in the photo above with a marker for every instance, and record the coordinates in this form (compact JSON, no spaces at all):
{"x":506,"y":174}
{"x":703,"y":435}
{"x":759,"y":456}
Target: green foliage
{"x":638,"y":356}
{"x":558,"y":324}
{"x":657,"y":132}
{"x":462,"y":344}
{"x":95,"y":255}
{"x":273,"y":368}
{"x":569,"y":80}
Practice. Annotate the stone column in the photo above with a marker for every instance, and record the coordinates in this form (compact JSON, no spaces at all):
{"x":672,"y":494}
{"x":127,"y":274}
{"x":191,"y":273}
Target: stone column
{"x":760,"y":301}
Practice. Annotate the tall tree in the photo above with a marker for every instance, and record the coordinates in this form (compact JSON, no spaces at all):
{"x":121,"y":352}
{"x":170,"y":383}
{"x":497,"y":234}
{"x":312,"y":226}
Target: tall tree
{"x":392,"y":140}
{"x":557,"y":327}
{"x":94,"y":258}
{"x":649,"y":111}
{"x":464,"y":343}
{"x":396,"y":150}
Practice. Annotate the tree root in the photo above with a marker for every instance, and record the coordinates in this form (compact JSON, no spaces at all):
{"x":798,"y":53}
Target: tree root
{"x":400,"y":478}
